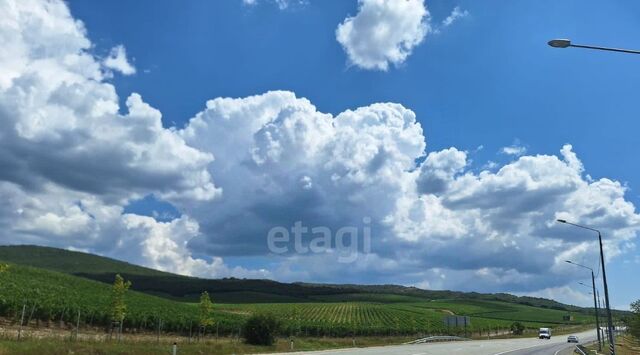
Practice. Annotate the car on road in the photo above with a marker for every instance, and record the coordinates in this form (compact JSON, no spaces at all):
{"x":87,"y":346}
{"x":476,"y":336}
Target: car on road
{"x":544,"y":333}
{"x":572,"y":339}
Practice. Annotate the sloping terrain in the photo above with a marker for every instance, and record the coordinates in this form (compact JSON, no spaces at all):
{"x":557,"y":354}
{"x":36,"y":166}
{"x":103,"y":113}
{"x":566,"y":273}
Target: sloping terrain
{"x":231,"y":290}
{"x":50,"y":297}
{"x":54,"y":285}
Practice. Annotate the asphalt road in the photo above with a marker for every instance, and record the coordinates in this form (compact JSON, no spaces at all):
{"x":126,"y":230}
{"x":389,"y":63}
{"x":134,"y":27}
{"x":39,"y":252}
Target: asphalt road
{"x":557,"y":345}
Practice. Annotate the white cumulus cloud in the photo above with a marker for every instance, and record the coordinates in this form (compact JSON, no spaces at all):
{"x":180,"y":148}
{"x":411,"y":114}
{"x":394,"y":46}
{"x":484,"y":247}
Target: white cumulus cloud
{"x":117,"y":60}
{"x":514,"y":149}
{"x":383,"y":32}
{"x":456,"y":14}
{"x":70,"y":162}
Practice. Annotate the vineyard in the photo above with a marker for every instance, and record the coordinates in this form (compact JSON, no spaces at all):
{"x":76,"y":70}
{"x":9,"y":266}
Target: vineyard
{"x":52,"y":298}
{"x":365,"y":318}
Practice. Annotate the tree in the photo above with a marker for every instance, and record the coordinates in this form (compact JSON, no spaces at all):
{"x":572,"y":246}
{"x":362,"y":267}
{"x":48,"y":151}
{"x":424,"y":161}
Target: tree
{"x":517,"y":328}
{"x":206,"y":311}
{"x":633,"y":321}
{"x":260,"y":329}
{"x":118,"y":305}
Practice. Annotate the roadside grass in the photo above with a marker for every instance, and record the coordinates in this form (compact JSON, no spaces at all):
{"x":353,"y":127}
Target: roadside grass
{"x":220,"y":346}
{"x":53,"y":346}
{"x":625,"y":345}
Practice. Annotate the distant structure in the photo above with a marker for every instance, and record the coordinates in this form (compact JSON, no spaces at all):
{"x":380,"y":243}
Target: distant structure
{"x":457,"y":321}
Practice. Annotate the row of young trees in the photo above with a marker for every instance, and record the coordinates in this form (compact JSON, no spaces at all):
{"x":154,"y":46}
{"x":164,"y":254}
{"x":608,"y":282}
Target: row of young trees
{"x":258,"y":329}
{"x":118,"y":309}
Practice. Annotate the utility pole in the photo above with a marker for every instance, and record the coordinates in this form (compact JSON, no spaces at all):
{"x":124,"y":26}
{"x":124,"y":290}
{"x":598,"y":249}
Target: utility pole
{"x":612,"y":340}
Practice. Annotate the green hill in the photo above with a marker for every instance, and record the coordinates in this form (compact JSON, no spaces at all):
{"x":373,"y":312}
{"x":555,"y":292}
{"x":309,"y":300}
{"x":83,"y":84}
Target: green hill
{"x":231,"y":290}
{"x":163,"y":284}
{"x":70,"y":262}
{"x":51,"y":297}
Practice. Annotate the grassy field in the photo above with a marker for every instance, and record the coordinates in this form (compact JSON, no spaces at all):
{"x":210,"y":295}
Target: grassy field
{"x":222,"y":346}
{"x":142,"y":345}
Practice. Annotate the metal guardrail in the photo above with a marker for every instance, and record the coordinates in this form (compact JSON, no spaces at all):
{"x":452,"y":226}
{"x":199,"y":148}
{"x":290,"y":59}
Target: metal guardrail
{"x":581,"y":350}
{"x":437,"y":338}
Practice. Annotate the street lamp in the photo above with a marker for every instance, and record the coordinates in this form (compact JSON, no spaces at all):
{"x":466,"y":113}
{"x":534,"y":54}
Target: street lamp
{"x":599,"y":306}
{"x":612,"y":345}
{"x":564,"y":43}
{"x":595,"y":302}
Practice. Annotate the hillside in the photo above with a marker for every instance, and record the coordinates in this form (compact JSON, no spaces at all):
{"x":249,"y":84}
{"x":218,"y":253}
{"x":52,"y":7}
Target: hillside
{"x":51,"y":297}
{"x":231,"y":290}
{"x":70,"y":262}
{"x":164,"y":284}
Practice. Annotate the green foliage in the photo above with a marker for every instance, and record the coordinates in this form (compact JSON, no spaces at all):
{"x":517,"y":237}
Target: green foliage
{"x":517,"y":328}
{"x":232,"y":290}
{"x":304,"y":309}
{"x":371,"y":318}
{"x":118,"y":305}
{"x":4,"y":267}
{"x":71,"y":262}
{"x":206,"y":310}
{"x":261,"y":329}
{"x":510,"y":312}
{"x":55,"y":296}
{"x":633,"y":320}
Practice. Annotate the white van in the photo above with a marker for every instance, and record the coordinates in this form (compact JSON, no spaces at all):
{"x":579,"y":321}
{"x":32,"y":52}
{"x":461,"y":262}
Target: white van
{"x":544,"y":333}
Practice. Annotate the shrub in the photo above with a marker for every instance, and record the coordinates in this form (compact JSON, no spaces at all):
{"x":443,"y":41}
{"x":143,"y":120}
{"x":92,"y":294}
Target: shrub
{"x":633,"y":321}
{"x":517,"y":328}
{"x":260,"y":329}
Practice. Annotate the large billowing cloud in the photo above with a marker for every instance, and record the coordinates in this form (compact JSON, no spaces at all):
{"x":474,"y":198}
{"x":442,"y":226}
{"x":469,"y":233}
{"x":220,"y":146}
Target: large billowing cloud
{"x":61,"y":122}
{"x":284,"y":161}
{"x":71,"y":161}
{"x":383,"y":32}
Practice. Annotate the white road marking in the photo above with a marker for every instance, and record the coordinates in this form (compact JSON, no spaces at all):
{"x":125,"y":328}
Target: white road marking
{"x":512,"y":350}
{"x":558,"y":352}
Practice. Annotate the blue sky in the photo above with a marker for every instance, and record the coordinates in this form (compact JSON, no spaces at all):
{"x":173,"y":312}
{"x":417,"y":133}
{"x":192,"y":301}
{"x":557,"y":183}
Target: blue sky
{"x":485,"y":82}
{"x":488,"y":80}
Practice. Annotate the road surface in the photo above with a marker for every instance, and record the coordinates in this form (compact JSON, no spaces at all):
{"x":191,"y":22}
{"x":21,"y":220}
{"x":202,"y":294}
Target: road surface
{"x":557,"y":345}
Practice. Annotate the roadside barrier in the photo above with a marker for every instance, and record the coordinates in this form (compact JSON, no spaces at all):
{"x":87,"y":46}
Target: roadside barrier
{"x":581,"y":350}
{"x":437,"y":338}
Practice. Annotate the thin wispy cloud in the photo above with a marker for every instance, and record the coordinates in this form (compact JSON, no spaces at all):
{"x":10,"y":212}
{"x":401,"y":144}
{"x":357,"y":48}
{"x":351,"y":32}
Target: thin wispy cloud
{"x":456,"y":14}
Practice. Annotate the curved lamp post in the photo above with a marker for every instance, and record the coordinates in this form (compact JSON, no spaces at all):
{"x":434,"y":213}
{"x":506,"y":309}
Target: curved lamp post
{"x":564,"y":43}
{"x":595,"y":302}
{"x":612,"y":346}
